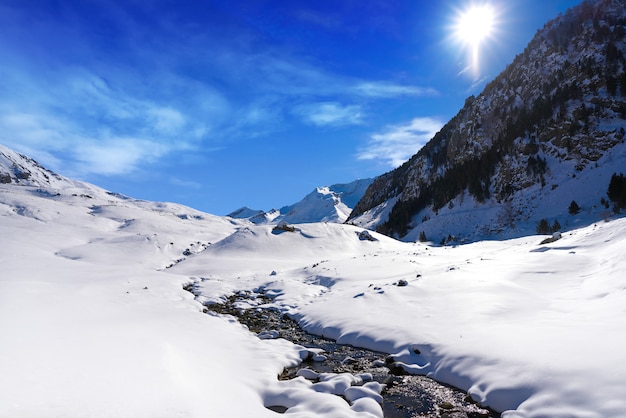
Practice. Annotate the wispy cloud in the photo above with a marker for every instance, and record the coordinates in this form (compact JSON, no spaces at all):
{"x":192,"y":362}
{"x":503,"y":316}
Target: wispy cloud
{"x":99,"y":128}
{"x":114,"y":156}
{"x":326,"y":20}
{"x":290,"y":76}
{"x":399,"y":142}
{"x":111,"y":104}
{"x":352,"y":17}
{"x":186,"y":184}
{"x":103,"y":153}
{"x":330,"y":114}
{"x":390,"y":90}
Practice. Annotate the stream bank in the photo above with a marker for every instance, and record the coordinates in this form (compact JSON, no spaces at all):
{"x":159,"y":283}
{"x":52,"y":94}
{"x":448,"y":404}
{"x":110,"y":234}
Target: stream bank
{"x":404,"y":396}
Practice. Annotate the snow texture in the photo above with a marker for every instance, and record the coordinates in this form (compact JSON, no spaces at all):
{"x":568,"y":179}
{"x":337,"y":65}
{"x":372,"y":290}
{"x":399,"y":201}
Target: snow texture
{"x":95,"y":322}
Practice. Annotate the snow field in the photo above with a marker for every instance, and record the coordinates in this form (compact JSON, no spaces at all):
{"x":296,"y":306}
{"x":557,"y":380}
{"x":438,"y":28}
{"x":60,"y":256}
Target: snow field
{"x":525,"y":328}
{"x":93,"y":324}
{"x":94,"y":321}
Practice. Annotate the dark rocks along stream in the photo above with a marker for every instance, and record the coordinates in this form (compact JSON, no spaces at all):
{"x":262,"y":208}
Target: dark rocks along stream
{"x":405,"y":396}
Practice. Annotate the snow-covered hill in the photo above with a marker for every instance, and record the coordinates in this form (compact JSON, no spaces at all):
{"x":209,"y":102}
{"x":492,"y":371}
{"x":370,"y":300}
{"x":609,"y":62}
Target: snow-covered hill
{"x":16,"y":168}
{"x":522,"y":327}
{"x":324,"y":204}
{"x":547,"y":131}
{"x":95,"y":322}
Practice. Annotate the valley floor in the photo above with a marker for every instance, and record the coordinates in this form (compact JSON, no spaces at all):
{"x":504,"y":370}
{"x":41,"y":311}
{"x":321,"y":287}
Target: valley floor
{"x":95,"y":322}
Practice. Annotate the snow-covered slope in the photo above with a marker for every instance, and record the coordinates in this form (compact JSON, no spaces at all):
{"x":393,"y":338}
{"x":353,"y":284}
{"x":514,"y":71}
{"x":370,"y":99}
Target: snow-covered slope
{"x":91,"y":328}
{"x":466,"y":219}
{"x":94,"y":320}
{"x":324,"y":204}
{"x":19,"y":169}
{"x":94,"y":323}
{"x":525,"y":328}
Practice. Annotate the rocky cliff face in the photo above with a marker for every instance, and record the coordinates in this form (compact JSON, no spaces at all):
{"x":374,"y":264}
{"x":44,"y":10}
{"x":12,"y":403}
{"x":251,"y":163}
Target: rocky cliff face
{"x":557,"y":111}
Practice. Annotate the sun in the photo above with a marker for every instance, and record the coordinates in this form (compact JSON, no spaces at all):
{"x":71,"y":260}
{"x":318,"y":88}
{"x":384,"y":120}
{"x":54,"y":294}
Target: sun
{"x":472,"y":27}
{"x":475,"y":24}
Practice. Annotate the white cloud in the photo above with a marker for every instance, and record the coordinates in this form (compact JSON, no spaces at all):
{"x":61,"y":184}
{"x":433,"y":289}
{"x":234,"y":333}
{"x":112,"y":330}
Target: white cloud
{"x":399,"y":142}
{"x":330,"y":114}
{"x":82,"y":125}
{"x":45,"y":137}
{"x":166,"y":119}
{"x":116,"y":156}
{"x":289,"y":76}
{"x":389,"y":90}
{"x":30,"y":128}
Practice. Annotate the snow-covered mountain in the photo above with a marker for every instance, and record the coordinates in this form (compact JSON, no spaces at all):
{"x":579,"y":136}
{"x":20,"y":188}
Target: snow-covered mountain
{"x":324,"y":204}
{"x":19,"y":169}
{"x":547,"y":131}
{"x":95,"y":322}
{"x":244,"y":213}
{"x":31,"y":191}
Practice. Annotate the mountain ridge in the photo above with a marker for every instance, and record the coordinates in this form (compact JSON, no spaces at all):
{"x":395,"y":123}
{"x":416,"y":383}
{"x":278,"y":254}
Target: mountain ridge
{"x":558,"y":107}
{"x":22,"y":170}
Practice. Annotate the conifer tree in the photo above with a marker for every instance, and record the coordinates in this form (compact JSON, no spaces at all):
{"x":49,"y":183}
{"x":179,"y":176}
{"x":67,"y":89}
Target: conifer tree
{"x":543,"y":227}
{"x":617,"y":190}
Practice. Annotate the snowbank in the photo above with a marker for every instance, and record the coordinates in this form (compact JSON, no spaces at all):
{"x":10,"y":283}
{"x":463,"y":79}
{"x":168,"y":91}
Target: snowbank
{"x":525,"y":328}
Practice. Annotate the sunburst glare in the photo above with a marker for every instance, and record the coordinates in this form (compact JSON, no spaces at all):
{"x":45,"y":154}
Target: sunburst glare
{"x":472,"y":27}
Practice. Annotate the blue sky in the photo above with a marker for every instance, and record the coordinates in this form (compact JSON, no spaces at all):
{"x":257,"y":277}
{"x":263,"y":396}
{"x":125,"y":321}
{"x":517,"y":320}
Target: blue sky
{"x":220,"y":104}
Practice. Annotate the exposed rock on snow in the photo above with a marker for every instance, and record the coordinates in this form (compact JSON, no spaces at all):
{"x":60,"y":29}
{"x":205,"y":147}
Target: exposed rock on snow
{"x":366,"y":236}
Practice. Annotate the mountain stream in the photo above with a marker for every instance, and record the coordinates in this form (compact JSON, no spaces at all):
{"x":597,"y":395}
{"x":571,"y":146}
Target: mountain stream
{"x":404,"y":396}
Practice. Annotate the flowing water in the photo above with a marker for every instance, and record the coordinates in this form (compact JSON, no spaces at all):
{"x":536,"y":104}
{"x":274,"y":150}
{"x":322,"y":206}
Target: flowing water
{"x":405,"y":396}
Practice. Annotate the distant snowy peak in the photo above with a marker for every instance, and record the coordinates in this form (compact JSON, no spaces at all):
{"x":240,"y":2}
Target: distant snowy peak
{"x":324,"y":204}
{"x":254,"y":215}
{"x":321,"y":205}
{"x":244,"y":213}
{"x":16,"y":168}
{"x":351,"y":193}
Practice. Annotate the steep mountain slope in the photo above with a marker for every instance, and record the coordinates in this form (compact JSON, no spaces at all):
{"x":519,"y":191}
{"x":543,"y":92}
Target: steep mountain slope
{"x":324,"y":204}
{"x":548,"y":130}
